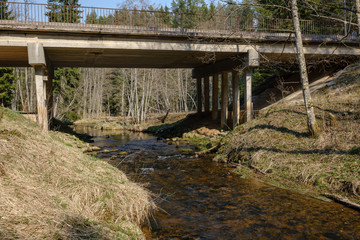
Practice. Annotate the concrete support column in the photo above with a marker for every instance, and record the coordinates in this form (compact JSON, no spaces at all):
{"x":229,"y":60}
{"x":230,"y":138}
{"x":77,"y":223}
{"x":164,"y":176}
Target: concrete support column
{"x":36,"y":57}
{"x":206,"y":94}
{"x":224,"y":99}
{"x":248,"y":95}
{"x":253,"y":60}
{"x":199,"y":95}
{"x":42,"y":111}
{"x":215,"y":97}
{"x":236,"y":98}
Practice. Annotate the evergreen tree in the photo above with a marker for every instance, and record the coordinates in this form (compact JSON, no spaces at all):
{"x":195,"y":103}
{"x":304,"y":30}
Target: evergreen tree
{"x":64,"y":11}
{"x":66,"y":82}
{"x":7,"y":75}
{"x":7,"y":79}
{"x":5,"y":13}
{"x":189,"y":13}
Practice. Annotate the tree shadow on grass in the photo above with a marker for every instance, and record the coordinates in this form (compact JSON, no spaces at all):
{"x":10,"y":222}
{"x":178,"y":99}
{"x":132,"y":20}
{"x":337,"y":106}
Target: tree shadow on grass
{"x":189,"y":123}
{"x":312,"y":151}
{"x":281,"y":129}
{"x":78,"y":228}
{"x":60,"y":126}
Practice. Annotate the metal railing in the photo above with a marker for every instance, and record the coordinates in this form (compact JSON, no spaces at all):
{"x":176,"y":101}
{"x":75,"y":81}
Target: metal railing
{"x":44,"y":14}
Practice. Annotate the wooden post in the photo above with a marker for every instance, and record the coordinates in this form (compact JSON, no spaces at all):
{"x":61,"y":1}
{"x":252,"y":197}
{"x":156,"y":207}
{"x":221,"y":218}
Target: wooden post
{"x":199,"y":95}
{"x":215,"y":97}
{"x":224,"y":99}
{"x":236,"y":98}
{"x":41,"y":97}
{"x":248,"y":97}
{"x":206,"y":94}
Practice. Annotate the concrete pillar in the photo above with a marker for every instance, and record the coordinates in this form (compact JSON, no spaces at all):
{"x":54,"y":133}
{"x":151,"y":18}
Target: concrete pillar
{"x":199,"y":95}
{"x":248,"y":96}
{"x":224,"y":99}
{"x":215,"y":97}
{"x":36,"y":58}
{"x":42,"y":112}
{"x":253,"y":60}
{"x":206,"y":94}
{"x":236,"y":98}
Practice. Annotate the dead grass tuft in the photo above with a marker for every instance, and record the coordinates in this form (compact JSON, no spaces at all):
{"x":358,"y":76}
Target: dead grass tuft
{"x":51,"y":190}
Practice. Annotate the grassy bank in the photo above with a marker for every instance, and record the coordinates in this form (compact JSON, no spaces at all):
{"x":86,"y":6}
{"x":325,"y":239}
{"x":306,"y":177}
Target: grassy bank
{"x":277,"y":148}
{"x":51,"y":190}
{"x":127,"y":124}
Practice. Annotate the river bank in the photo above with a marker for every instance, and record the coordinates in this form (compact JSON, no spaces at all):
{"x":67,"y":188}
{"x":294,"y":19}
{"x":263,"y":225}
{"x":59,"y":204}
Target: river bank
{"x":276,"y":148}
{"x":198,"y":198}
{"x":50,"y":189}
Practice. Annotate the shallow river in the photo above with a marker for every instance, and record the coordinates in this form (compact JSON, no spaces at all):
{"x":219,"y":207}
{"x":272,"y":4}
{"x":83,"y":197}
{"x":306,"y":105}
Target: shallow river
{"x":201,"y":199}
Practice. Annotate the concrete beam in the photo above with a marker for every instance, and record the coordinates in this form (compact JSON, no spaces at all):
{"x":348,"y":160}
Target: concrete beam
{"x":219,"y":66}
{"x":215,"y":97}
{"x":224,"y":99}
{"x":253,"y":58}
{"x":36,"y":54}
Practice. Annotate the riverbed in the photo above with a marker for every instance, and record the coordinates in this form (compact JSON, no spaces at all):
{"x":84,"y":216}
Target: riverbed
{"x":201,"y":199}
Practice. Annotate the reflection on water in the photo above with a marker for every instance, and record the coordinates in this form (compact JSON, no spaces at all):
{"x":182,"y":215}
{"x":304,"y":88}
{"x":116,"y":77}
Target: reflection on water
{"x":110,"y":138}
{"x":204,"y":200}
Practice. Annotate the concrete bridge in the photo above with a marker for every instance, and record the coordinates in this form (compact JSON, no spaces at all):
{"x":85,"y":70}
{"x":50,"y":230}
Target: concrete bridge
{"x":114,"y":38}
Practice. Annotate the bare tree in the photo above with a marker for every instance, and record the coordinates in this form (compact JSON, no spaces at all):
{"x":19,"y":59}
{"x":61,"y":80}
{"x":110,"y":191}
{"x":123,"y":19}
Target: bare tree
{"x":311,"y":120}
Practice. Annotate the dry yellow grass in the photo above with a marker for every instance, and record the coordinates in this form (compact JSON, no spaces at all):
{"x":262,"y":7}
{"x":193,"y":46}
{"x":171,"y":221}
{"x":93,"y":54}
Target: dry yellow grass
{"x":276,"y":143}
{"x":50,"y":190}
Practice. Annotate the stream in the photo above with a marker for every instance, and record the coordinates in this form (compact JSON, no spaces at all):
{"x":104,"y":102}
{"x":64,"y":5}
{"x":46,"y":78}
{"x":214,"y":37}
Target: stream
{"x":201,"y":199}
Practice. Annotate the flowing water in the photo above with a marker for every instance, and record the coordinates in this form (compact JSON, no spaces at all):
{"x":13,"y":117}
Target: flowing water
{"x":201,"y":199}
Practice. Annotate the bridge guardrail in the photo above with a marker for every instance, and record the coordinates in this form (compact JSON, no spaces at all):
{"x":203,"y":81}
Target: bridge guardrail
{"x":52,"y":14}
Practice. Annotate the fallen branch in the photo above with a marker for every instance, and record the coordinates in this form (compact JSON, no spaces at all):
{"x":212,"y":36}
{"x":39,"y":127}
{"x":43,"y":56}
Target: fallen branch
{"x":216,"y":147}
{"x":257,"y":169}
{"x":343,"y":200}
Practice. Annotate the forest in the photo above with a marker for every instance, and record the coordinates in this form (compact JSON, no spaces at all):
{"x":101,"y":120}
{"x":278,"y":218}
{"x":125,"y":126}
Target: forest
{"x":94,"y":92}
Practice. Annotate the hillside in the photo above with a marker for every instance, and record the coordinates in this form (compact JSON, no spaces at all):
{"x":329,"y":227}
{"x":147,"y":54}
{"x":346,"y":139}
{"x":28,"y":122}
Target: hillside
{"x":276,"y":147}
{"x":51,"y":190}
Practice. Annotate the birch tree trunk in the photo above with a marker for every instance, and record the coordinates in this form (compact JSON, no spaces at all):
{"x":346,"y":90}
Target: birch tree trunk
{"x":311,"y":120}
{"x":357,"y":3}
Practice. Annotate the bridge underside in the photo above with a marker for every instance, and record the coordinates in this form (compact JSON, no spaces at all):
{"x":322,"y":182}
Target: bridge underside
{"x":210,"y":61}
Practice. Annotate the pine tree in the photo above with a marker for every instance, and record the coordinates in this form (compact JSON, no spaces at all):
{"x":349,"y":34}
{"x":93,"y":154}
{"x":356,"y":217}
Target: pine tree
{"x":64,"y":11}
{"x":7,"y":76}
{"x":189,"y":13}
{"x":5,"y":13}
